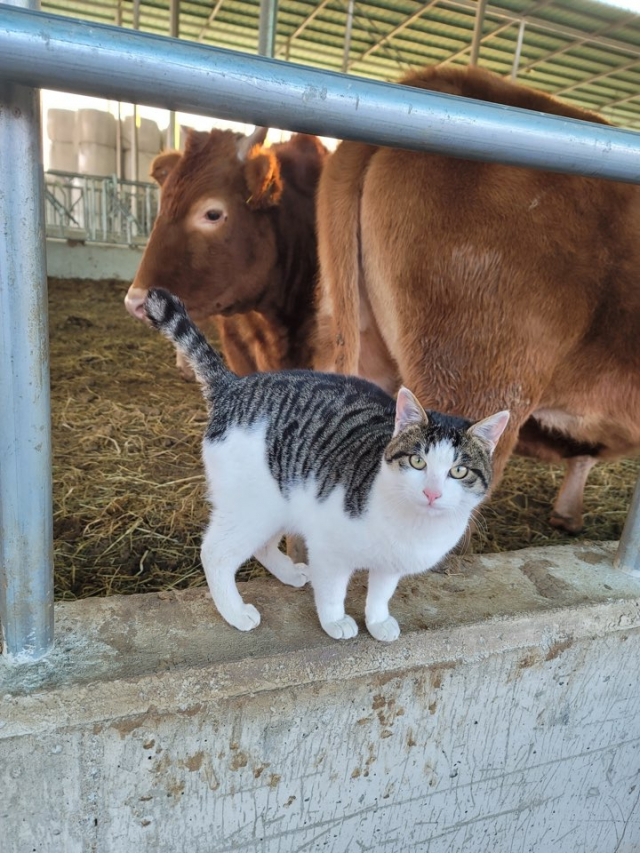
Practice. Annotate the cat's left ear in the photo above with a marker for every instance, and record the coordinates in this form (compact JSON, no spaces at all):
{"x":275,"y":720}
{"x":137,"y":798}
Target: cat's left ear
{"x":408,"y":411}
{"x":490,"y":429}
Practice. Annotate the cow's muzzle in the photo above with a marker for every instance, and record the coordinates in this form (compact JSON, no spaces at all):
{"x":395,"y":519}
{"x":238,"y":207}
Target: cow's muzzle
{"x":134,"y":303}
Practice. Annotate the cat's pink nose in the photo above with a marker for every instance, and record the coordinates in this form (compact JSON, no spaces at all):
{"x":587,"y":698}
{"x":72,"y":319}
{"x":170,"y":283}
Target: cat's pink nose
{"x":431,"y":495}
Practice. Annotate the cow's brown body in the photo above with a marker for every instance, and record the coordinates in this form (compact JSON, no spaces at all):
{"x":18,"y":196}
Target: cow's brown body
{"x":254,"y":268}
{"x":484,"y":287}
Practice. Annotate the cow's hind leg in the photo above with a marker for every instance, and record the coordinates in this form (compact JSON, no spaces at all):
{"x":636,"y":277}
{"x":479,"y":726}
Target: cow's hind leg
{"x":184,"y":368}
{"x":567,"y":510}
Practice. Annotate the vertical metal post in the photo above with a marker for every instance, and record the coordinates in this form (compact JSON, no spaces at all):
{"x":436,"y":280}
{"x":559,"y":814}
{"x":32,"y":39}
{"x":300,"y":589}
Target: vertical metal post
{"x":516,"y":57}
{"x":628,"y":554}
{"x":134,"y":122}
{"x":477,"y":32}
{"x":347,"y":37}
{"x":174,"y":32}
{"x":267,"y":31}
{"x":26,"y":517}
{"x":118,"y":22}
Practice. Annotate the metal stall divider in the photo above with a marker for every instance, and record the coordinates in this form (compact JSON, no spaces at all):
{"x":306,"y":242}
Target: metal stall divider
{"x":39,"y":49}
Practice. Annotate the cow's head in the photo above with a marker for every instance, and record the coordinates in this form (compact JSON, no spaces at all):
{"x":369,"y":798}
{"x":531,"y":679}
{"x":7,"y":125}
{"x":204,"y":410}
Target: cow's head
{"x":213,"y":243}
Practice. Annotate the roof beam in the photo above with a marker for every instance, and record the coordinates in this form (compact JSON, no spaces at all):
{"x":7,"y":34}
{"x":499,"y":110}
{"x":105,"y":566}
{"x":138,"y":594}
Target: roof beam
{"x":518,"y":51}
{"x":617,"y":103}
{"x":615,"y":25}
{"x":478,"y":25}
{"x":347,"y":36}
{"x":210,"y":19}
{"x":285,"y":46}
{"x":596,"y":77}
{"x":394,"y":32}
{"x":499,"y":29}
{"x":550,"y":27}
{"x":464,"y":50}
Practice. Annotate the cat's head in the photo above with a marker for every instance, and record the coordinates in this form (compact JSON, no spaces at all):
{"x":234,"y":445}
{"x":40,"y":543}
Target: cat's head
{"x":437,"y":462}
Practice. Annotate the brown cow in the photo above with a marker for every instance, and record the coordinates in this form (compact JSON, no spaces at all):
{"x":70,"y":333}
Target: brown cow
{"x":487,"y":287}
{"x":235,"y":238}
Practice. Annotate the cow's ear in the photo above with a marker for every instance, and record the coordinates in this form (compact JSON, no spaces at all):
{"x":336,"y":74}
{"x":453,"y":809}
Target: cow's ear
{"x":163,"y":164}
{"x":262,"y":174}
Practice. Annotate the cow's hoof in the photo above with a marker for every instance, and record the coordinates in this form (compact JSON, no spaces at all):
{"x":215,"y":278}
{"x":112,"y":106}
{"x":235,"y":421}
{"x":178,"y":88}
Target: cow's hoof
{"x":565,"y":522}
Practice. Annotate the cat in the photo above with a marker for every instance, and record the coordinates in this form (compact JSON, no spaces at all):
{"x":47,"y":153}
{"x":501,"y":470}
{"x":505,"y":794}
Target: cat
{"x":369,"y":482}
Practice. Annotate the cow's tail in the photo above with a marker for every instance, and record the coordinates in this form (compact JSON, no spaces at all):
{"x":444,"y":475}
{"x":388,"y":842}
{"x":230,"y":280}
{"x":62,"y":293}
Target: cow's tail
{"x":338,"y":218}
{"x":167,"y":313}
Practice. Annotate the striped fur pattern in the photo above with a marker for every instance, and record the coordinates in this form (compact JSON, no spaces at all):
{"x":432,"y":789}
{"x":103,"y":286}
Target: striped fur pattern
{"x":336,"y":460}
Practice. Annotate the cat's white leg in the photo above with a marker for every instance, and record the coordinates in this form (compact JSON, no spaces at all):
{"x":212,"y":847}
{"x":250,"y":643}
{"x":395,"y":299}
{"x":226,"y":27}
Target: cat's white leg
{"x":225,"y":547}
{"x":330,"y":580}
{"x":280,"y":565}
{"x":380,"y":624}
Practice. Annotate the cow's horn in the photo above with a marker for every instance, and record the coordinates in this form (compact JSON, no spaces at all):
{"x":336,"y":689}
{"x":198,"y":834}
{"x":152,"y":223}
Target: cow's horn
{"x":246,"y":143}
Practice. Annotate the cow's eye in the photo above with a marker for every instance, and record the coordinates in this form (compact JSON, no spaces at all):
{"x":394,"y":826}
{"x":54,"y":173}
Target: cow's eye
{"x":213,"y":215}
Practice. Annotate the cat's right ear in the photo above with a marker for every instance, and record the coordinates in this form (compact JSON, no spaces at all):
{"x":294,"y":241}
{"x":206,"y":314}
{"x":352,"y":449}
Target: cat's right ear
{"x":490,"y":429}
{"x":408,"y":411}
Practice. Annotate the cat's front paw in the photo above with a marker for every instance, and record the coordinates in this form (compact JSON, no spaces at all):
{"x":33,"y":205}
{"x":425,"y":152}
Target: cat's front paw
{"x":341,"y":629}
{"x":386,"y":631}
{"x":244,"y":619}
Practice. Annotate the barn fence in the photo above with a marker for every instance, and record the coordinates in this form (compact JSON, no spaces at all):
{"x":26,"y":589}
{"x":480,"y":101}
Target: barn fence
{"x":93,"y":208}
{"x":41,"y":50}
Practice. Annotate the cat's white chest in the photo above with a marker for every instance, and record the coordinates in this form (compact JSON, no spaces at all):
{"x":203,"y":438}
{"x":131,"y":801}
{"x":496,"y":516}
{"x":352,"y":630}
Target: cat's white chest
{"x":414,"y":547}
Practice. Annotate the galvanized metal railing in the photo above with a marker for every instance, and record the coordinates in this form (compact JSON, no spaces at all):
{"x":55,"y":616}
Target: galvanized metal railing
{"x":99,"y":209}
{"x":38,"y":50}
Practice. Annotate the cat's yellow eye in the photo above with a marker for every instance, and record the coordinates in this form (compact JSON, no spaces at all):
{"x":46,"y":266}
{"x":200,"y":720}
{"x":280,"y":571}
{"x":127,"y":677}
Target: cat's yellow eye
{"x":417,"y":462}
{"x":459,"y":472}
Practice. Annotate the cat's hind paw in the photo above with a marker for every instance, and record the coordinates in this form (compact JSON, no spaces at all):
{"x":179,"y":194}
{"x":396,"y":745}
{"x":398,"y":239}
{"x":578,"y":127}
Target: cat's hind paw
{"x":341,"y":629}
{"x":386,"y":631}
{"x":244,"y":619}
{"x":299,"y":574}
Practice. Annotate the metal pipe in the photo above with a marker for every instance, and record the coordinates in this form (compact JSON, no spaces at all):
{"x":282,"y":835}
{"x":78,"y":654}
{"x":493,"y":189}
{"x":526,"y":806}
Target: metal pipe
{"x":75,"y":56}
{"x":516,"y":56}
{"x":267,"y":27}
{"x":119,"y":115}
{"x":134,"y":120}
{"x":347,"y":37}
{"x":477,"y":32}
{"x":628,"y":554}
{"x":26,"y":516}
{"x":174,"y":32}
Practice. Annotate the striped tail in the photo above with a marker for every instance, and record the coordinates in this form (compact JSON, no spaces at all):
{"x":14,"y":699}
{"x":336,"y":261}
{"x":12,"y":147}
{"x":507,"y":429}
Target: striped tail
{"x":167,"y":313}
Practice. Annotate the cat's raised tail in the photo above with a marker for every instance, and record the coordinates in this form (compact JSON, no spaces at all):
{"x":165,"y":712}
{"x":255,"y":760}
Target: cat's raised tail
{"x":167,"y":313}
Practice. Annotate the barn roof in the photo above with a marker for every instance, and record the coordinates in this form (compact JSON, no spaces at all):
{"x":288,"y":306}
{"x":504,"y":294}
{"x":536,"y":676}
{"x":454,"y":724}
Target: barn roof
{"x":584,"y":52}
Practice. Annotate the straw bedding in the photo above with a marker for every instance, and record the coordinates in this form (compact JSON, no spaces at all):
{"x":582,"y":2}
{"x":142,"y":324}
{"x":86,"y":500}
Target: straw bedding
{"x":128,"y":484}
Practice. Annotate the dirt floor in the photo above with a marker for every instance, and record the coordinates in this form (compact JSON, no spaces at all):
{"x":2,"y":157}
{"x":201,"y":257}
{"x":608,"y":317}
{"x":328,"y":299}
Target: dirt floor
{"x":128,"y":483}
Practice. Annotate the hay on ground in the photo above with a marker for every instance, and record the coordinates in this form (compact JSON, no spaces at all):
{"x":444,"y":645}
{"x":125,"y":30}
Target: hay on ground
{"x":129,"y":505}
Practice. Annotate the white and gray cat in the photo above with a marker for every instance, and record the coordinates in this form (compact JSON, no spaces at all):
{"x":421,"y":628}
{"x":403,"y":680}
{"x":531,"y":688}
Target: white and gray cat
{"x":369,"y":482}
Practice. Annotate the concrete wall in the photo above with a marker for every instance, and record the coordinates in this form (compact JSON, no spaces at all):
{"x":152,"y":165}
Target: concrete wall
{"x":156,"y":727}
{"x":66,"y":259}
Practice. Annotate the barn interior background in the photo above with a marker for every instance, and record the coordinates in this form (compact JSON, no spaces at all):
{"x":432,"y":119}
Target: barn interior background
{"x":128,"y":499}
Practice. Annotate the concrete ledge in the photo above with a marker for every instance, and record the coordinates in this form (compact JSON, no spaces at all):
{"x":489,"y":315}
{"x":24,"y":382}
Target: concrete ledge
{"x":155,"y":726}
{"x":96,"y":261}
